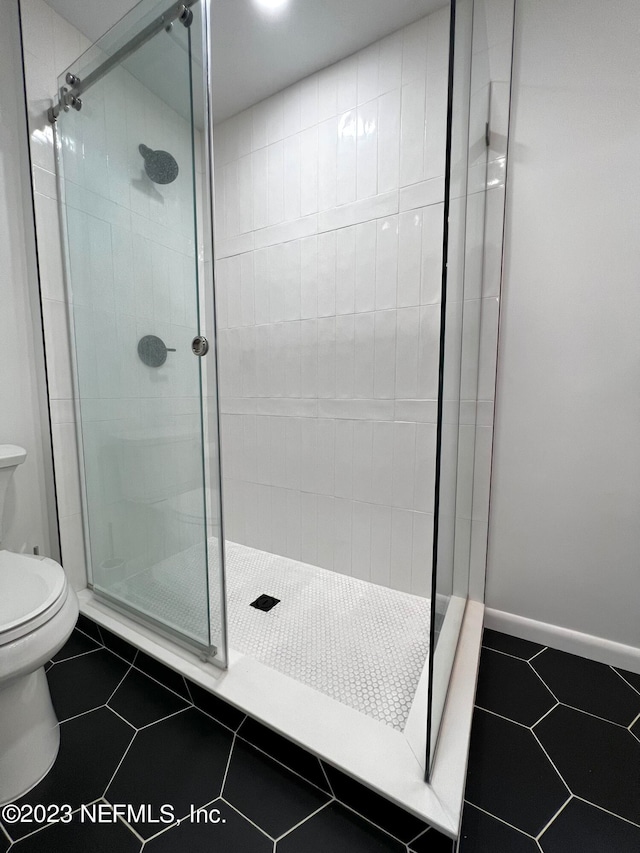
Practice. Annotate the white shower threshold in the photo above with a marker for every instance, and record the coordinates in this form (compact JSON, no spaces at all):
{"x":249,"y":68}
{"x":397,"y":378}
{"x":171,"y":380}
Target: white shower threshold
{"x":384,"y":759}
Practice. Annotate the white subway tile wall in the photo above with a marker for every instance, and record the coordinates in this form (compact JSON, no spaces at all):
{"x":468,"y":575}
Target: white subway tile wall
{"x":329,"y":346}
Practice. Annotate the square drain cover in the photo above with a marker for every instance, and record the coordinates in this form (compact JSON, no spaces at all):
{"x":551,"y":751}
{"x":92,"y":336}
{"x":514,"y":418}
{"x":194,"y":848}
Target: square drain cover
{"x":265,"y":602}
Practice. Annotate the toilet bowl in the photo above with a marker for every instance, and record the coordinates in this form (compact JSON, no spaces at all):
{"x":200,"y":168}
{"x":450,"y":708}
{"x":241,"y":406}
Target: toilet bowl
{"x":38,"y":611}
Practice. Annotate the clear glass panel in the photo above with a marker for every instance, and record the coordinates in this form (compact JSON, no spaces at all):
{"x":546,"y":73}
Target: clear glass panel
{"x":479,"y":109}
{"x":136,"y":245}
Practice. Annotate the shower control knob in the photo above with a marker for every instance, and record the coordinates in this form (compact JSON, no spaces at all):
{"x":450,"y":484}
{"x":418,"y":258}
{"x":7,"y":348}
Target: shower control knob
{"x":200,"y":345}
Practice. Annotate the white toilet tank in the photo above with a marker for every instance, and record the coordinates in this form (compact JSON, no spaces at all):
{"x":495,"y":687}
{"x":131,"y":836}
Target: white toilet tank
{"x":10,"y":457}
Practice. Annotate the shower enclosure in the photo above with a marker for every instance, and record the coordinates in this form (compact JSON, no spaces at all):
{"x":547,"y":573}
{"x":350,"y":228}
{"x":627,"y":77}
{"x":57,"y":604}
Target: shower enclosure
{"x":275,"y":294}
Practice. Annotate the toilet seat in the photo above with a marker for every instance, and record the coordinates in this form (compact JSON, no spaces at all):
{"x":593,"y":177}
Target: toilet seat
{"x":32,"y":591}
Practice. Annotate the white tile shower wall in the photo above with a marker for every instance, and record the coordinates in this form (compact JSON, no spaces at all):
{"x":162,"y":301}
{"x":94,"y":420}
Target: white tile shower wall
{"x":329,"y":214}
{"x":124,"y":231}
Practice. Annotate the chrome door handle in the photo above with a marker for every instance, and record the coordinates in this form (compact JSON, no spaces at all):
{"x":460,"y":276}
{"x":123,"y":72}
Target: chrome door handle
{"x":199,"y":346}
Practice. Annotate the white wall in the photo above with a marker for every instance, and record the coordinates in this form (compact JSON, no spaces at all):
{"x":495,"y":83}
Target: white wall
{"x":564,"y":540}
{"x":328,"y":243}
{"x":23,"y":415}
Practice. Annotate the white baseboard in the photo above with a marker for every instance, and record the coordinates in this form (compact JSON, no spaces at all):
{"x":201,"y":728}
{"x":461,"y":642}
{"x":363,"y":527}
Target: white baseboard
{"x":575,"y":642}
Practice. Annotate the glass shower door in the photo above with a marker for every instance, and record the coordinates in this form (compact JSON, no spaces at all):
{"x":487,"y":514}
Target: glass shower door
{"x":135,"y":249}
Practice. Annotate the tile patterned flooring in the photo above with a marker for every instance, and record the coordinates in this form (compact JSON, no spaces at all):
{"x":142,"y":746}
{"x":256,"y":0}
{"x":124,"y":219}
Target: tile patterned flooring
{"x":554,"y":764}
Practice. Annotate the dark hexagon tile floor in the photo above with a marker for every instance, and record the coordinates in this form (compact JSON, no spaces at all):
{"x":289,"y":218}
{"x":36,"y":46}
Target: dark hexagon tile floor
{"x":80,"y":837}
{"x":632,"y":678}
{"x":583,"y":828}
{"x":91,"y":747}
{"x":589,"y":686}
{"x":339,"y":830}
{"x":514,"y":646}
{"x":510,"y":776}
{"x":5,"y":843}
{"x":599,"y":761}
{"x":509,"y":687}
{"x":286,"y":752}
{"x":141,"y":700}
{"x":77,"y":644}
{"x":482,"y":833}
{"x":136,"y":732}
{"x":85,"y":682}
{"x":225,"y":829}
{"x":268,"y":793}
{"x":431,"y":841}
{"x":179,"y":761}
{"x":586,"y":742}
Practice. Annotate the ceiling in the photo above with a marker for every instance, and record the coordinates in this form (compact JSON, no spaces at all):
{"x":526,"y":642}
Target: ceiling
{"x":256,"y":54}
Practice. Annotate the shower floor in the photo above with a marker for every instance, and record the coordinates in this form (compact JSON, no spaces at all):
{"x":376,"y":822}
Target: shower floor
{"x":359,"y":643}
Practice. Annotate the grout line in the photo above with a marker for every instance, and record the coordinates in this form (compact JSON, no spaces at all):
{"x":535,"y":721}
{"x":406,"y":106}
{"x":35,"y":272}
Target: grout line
{"x":186,"y":684}
{"x":546,"y":714}
{"x":216,"y":720}
{"x":368,"y":820}
{"x":607,"y":811}
{"x":75,"y":657}
{"x":122,"y":657}
{"x":162,"y":719}
{"x":533,"y":657}
{"x":124,"y":755}
{"x":131,"y":829}
{"x":113,"y":692}
{"x":542,"y":681}
{"x":299,"y":824}
{"x":20,"y":838}
{"x":594,"y":716}
{"x":170,"y":689}
{"x":422,"y":833}
{"x":82,"y":714}
{"x":560,"y":810}
{"x":633,"y":722}
{"x":226,"y":769}
{"x":561,"y":777}
{"x":499,"y":819}
{"x":633,"y":734}
{"x":504,"y":654}
{"x":507,"y":719}
{"x":93,"y":639}
{"x":619,"y":674}
{"x":326,"y":776}
{"x":120,"y":818}
{"x":286,"y":766}
{"x":124,"y":720}
{"x":248,"y":819}
{"x":164,"y":829}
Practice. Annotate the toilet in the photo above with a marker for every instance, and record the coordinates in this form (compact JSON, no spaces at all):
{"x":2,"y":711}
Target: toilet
{"x":38,"y":611}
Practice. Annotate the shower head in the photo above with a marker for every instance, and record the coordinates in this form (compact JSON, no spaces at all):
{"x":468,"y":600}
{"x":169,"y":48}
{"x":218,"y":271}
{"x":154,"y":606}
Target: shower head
{"x":160,"y":166}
